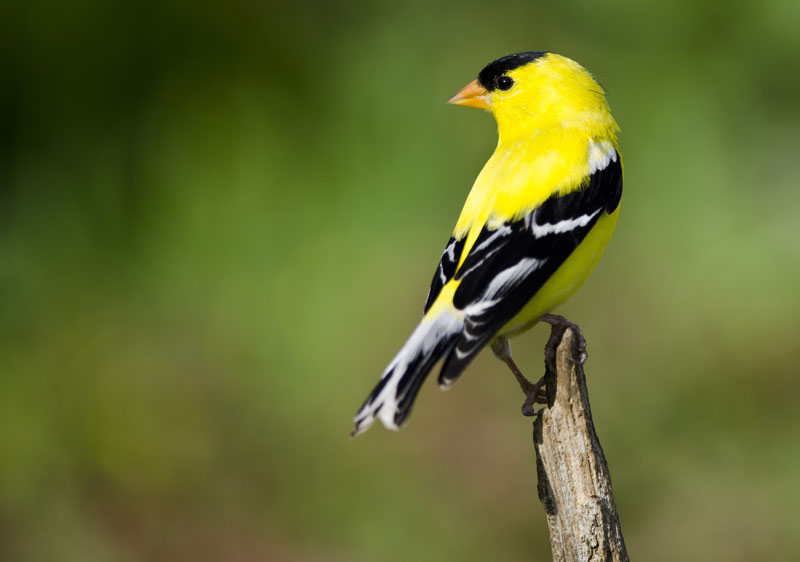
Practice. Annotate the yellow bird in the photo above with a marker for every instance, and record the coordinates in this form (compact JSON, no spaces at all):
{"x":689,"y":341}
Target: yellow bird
{"x":533,"y":227}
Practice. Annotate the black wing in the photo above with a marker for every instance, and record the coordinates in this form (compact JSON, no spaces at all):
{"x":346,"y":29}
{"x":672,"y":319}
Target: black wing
{"x":446,"y":269}
{"x":506,"y":266}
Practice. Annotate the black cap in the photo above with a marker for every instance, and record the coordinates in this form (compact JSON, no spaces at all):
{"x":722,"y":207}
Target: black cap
{"x":494,"y":70}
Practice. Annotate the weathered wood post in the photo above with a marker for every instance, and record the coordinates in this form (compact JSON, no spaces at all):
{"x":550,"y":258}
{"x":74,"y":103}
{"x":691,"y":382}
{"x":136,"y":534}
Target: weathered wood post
{"x":574,"y":481}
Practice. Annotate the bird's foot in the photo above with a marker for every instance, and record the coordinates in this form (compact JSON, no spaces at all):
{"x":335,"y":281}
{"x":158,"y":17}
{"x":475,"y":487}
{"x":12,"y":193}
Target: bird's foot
{"x":534,"y":393}
{"x":557,"y":326}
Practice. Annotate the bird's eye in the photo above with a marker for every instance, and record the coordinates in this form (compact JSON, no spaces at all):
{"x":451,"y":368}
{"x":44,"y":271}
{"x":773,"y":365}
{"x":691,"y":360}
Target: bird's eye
{"x":504,"y":83}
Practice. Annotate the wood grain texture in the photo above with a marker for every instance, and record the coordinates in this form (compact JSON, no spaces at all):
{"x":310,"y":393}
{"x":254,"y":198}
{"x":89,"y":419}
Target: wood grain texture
{"x":574,"y":481}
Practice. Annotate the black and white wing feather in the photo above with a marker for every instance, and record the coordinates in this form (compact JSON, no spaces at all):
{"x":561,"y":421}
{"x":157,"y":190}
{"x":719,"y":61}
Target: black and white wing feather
{"x":502,"y":271}
{"x":507,"y":265}
{"x":446,"y":269}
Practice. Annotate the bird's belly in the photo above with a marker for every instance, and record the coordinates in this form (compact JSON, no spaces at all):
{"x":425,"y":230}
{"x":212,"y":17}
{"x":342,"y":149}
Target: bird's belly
{"x":567,"y":279}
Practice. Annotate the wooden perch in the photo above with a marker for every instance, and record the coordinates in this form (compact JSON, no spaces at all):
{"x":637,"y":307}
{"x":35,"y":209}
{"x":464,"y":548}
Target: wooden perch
{"x":574,"y":481}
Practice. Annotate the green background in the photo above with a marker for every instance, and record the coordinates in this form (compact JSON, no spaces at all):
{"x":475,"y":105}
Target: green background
{"x":218,"y":222}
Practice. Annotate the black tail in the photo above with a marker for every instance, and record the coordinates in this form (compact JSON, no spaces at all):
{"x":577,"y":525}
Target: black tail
{"x":392,"y":398}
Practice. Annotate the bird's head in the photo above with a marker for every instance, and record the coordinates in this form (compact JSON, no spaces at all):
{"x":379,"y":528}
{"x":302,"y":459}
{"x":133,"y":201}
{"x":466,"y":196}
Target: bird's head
{"x":537,"y":91}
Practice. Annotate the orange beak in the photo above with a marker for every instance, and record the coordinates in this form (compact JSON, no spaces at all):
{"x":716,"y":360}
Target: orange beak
{"x":472,"y":95}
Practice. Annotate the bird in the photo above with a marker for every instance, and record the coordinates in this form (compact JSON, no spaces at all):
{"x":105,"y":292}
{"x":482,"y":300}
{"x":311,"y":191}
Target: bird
{"x":534,"y":225}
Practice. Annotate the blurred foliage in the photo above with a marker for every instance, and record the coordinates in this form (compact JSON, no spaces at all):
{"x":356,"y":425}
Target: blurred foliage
{"x":217,"y":224}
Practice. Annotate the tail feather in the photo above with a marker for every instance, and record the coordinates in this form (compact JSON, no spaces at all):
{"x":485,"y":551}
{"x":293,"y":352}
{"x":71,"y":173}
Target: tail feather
{"x":455,"y":362}
{"x":392,"y":398}
{"x":465,"y":348}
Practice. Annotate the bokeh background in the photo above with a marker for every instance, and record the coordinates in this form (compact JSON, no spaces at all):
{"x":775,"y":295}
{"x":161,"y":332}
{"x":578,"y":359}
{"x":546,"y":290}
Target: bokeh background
{"x":217,"y":225}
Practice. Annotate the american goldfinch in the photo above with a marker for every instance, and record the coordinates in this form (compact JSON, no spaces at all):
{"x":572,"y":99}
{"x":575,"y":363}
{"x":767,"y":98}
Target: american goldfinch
{"x":533,"y":227}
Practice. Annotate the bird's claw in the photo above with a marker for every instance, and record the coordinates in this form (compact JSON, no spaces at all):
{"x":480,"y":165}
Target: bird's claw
{"x":558,"y":324}
{"x":535,"y":394}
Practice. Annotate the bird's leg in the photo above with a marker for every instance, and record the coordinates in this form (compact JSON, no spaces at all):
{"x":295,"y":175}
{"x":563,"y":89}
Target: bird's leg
{"x":534,"y":394}
{"x":557,"y":326}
